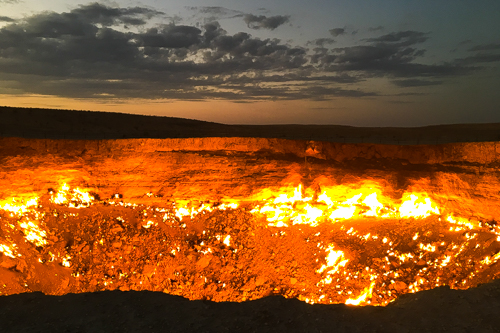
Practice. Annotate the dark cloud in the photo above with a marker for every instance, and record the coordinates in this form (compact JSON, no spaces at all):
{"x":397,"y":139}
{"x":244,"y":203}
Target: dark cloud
{"x":416,"y":83}
{"x":6,"y":19}
{"x":170,"y":36}
{"x":88,"y":53}
{"x":337,"y":32}
{"x":10,"y":1}
{"x":84,"y":54}
{"x":325,"y":93}
{"x":321,"y":42}
{"x":215,"y":12}
{"x":378,"y":28}
{"x":485,"y":47}
{"x":391,"y":55}
{"x":401,"y":38}
{"x":265,"y":22}
{"x":411,"y":94}
{"x":485,"y":53}
{"x":480,"y":58}
{"x":386,"y":60}
{"x":98,"y":13}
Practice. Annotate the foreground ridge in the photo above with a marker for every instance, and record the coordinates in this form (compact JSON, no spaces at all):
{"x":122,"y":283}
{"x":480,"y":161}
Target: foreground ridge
{"x":440,"y":309}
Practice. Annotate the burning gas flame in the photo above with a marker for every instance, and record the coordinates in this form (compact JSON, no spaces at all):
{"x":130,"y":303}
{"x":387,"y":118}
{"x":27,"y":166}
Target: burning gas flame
{"x":9,"y":251}
{"x":340,"y":203}
{"x":334,"y":261}
{"x":361,"y":299}
{"x":75,"y":198}
{"x":308,"y":209}
{"x":18,"y":206}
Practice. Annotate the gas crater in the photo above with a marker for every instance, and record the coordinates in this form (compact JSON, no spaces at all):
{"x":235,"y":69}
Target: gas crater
{"x":237,"y":219}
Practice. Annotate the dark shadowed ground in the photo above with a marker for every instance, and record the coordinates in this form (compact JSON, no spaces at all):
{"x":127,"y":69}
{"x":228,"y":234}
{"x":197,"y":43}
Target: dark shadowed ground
{"x":438,"y":310}
{"x":64,"y":124}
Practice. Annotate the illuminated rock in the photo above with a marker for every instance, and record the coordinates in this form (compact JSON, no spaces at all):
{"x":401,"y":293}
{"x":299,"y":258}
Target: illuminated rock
{"x":237,"y":219}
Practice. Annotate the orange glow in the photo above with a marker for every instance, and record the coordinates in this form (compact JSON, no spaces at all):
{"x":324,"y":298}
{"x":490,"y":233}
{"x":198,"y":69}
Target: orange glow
{"x":74,"y":199}
{"x":356,"y":259}
{"x":362,"y":299}
{"x":334,"y":261}
{"x":18,"y":206}
{"x":9,"y":251}
{"x":336,"y":203}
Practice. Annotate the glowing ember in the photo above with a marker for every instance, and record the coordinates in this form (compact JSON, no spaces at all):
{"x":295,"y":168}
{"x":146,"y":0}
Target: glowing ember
{"x":18,"y":207}
{"x":361,"y":299}
{"x":75,"y":198}
{"x":9,"y":251}
{"x":65,"y":261}
{"x":33,"y":233}
{"x":347,"y":244}
{"x":334,"y":260}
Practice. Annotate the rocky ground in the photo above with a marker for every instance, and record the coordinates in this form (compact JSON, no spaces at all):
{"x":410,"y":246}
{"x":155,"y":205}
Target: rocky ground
{"x":133,"y":270}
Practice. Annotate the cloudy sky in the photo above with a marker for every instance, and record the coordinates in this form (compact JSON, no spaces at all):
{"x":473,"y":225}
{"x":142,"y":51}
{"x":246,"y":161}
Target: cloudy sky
{"x":356,"y":62}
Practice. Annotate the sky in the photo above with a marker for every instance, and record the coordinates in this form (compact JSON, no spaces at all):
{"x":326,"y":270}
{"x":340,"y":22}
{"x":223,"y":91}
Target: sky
{"x":357,"y":62}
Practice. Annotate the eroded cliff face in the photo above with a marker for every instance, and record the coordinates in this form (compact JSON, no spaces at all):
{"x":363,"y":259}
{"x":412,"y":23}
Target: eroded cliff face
{"x":463,"y":176}
{"x":134,"y":235}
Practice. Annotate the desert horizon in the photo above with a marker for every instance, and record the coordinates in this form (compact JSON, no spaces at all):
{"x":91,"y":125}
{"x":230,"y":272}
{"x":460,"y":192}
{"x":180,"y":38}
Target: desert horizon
{"x":80,"y":124}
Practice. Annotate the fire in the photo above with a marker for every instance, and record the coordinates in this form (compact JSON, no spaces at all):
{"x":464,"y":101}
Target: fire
{"x":9,"y":251}
{"x":28,"y":217}
{"x":18,"y":206}
{"x":358,"y":243}
{"x":337,"y":203}
{"x":361,"y":299}
{"x":334,"y":261}
{"x":75,"y":198}
{"x":33,"y":233}
{"x":417,"y":207}
{"x":185,"y":210}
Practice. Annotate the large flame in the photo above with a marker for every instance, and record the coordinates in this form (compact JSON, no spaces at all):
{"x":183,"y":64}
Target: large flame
{"x":337,"y":203}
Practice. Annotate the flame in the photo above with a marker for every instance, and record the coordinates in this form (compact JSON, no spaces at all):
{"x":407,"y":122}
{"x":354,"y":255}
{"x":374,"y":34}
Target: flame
{"x":28,"y":218}
{"x":18,"y":208}
{"x":337,"y":203}
{"x":75,"y":198}
{"x":334,"y":261}
{"x":417,"y":207}
{"x":227,"y":240}
{"x":65,"y":261}
{"x":294,"y":205}
{"x":9,"y":251}
{"x":184,"y":208}
{"x":33,"y":233}
{"x":362,"y":299}
{"x":336,"y":268}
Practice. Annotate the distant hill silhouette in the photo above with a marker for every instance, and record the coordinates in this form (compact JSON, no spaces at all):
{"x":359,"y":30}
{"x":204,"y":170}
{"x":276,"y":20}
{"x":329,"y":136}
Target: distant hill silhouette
{"x":94,"y":125}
